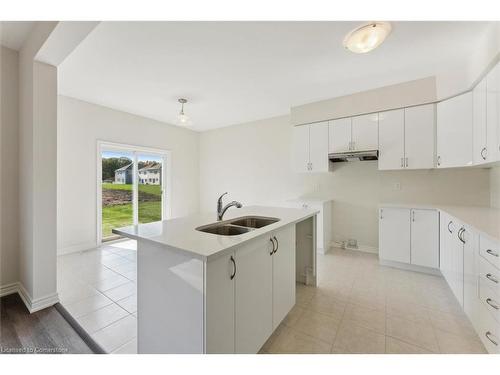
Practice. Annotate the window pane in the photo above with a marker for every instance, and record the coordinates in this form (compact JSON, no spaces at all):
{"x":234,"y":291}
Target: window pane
{"x":117,"y":211}
{"x":150,"y":187}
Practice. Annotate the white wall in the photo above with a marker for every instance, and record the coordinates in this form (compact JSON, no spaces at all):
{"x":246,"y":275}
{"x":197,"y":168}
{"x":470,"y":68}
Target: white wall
{"x":253,"y":162}
{"x":9,"y":167}
{"x":37,"y":172}
{"x":80,"y":125}
{"x":495,"y":187}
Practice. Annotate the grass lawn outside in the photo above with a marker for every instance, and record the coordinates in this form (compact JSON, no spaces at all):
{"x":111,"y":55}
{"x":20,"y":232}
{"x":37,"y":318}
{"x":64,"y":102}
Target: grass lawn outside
{"x":149,"y":189}
{"x":121,"y":215}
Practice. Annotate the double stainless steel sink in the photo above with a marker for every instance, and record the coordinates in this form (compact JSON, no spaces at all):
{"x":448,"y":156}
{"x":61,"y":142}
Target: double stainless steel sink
{"x":237,"y":226}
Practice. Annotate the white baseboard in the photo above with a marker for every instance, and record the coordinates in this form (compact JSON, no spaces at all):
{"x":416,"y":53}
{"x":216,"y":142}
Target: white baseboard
{"x":32,"y":305}
{"x":8,"y":289}
{"x":76,"y":248}
{"x":410,"y":267}
{"x":361,"y":247}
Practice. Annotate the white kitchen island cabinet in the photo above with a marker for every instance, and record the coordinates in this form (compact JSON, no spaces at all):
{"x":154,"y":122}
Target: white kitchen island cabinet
{"x":201,"y":292}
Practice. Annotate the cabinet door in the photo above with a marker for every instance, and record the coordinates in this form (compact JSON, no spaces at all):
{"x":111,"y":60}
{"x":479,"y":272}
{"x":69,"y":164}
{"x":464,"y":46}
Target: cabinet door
{"x":480,"y":147}
{"x":283,"y":274}
{"x":391,"y":139}
{"x":340,"y":135}
{"x":446,"y":229}
{"x":425,"y":238}
{"x":394,"y":234}
{"x":457,"y":266}
{"x":365,"y":132}
{"x":493,"y":113}
{"x":253,"y":295}
{"x":419,"y":137}
{"x":219,"y":297}
{"x":300,"y":148}
{"x":471,"y":275}
{"x":454,"y":131}
{"x":318,"y":147}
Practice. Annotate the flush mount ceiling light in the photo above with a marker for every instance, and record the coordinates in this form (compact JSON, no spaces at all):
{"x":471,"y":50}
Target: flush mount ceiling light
{"x":182,"y":118}
{"x":367,"y":37}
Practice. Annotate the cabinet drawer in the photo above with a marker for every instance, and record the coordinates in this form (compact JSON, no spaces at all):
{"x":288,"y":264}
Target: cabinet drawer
{"x":489,"y":275}
{"x":490,"y":299}
{"x":489,"y":331}
{"x":490,"y":250}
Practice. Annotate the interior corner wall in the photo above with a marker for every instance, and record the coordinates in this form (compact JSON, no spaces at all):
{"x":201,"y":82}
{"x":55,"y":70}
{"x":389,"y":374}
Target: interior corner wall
{"x":9,"y":265}
{"x":80,"y":126}
{"x":35,"y":250}
{"x":259,"y":170}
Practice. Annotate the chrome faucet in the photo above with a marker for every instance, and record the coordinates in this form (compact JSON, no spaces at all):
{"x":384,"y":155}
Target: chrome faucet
{"x":222,"y":210}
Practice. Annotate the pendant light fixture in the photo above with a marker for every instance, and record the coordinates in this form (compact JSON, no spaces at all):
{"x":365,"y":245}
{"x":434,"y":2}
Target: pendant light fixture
{"x":367,"y":37}
{"x":182,"y":118}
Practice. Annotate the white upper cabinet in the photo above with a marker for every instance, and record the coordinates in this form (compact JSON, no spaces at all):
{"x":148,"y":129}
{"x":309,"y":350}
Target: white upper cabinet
{"x":340,"y":135}
{"x":419,"y":137}
{"x":310,"y":147}
{"x":493,"y":113}
{"x":365,"y":132}
{"x":406,"y":138}
{"x":391,"y":140}
{"x":480,"y":146}
{"x":454,"y":131}
{"x":318,"y":147}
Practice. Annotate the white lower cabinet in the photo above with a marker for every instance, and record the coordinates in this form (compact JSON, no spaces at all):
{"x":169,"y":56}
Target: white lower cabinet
{"x":394,"y":234}
{"x":409,"y":236}
{"x":253,"y":295}
{"x":452,"y":256}
{"x":471,"y":274}
{"x":220,"y":305}
{"x":249,"y":292}
{"x":283,"y":260}
{"x":425,"y":238}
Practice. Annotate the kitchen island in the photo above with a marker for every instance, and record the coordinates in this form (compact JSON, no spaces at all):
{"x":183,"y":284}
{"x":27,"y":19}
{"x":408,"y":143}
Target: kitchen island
{"x":223,"y":291}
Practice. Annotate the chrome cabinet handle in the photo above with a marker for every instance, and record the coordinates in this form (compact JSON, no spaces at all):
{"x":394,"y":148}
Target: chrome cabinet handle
{"x":489,"y":302}
{"x":277,"y":244}
{"x":482,"y":153}
{"x":406,"y":162}
{"x":381,"y":211}
{"x":413,"y":215}
{"x":402,"y":163}
{"x":459,"y":234}
{"x":439,"y":160}
{"x":272,"y":251}
{"x":490,"y":277}
{"x":488,"y":334}
{"x":449,"y":230}
{"x":491,"y":252}
{"x":234,"y":267}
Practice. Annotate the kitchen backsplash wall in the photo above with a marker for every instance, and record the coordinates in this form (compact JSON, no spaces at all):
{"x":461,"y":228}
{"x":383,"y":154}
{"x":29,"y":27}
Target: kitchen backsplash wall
{"x":253,"y":163}
{"x":495,"y":187}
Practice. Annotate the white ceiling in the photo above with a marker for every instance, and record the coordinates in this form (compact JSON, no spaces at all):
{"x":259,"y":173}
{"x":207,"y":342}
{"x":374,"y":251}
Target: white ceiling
{"x":234,"y":72}
{"x":14,"y":33}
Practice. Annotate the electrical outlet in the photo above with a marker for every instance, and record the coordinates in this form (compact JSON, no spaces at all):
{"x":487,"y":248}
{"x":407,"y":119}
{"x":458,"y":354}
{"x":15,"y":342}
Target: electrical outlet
{"x":397,"y":186}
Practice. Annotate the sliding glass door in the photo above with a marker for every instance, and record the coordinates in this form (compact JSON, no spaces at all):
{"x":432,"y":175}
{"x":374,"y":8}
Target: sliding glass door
{"x":132,"y":188}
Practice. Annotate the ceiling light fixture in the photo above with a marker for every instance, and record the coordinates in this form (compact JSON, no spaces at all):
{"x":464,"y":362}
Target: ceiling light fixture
{"x":182,"y":118}
{"x":367,"y":37}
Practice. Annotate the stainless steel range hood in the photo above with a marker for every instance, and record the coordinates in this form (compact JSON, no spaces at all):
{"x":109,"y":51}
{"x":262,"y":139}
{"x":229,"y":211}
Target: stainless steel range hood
{"x":339,"y":157}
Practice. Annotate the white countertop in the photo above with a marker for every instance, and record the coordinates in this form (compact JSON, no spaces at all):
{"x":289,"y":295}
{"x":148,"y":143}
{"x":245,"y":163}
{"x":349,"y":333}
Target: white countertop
{"x":482,"y":219}
{"x":181,"y":234}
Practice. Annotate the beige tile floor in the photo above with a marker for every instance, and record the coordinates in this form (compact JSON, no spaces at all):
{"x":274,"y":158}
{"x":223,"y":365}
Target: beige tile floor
{"x":358,"y":306}
{"x":362,"y":307}
{"x":98,"y":288}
